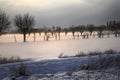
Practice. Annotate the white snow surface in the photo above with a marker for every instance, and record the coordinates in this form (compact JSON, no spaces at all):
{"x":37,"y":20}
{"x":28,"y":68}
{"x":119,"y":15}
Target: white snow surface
{"x":52,"y":48}
{"x":57,"y":69}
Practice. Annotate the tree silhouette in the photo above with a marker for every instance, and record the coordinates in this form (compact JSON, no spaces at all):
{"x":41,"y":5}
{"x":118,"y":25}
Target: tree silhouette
{"x":81,"y":29}
{"x":45,"y":30}
{"x":53,"y":30}
{"x":24,"y":23}
{"x":66,"y":31}
{"x":72,"y":29}
{"x":40,"y":30}
{"x":90,"y":28}
{"x":35,"y":30}
{"x":58,"y":30}
{"x":4,"y":21}
{"x":114,"y":26}
{"x":100,"y":30}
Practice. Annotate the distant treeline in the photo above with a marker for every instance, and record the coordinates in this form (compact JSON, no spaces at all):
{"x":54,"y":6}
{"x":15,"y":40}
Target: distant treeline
{"x":24,"y":24}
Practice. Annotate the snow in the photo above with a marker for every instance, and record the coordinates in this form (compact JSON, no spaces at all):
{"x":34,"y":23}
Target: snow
{"x":51,"y":49}
{"x":57,"y":69}
{"x":45,"y":64}
{"x":47,"y":67}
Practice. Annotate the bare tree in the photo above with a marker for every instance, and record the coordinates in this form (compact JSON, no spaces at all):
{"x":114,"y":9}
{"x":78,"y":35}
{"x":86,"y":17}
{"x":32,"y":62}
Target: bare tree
{"x":90,"y":28}
{"x":4,"y":21}
{"x":114,"y":26}
{"x":81,"y":29}
{"x":46,"y":30}
{"x":66,"y":30}
{"x":72,"y":29}
{"x":58,"y":30}
{"x":53,"y":30}
{"x":24,"y":23}
{"x":100,"y":30}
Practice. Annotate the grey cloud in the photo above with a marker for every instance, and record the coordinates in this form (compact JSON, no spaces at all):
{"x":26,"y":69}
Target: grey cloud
{"x":113,"y":10}
{"x":91,"y":11}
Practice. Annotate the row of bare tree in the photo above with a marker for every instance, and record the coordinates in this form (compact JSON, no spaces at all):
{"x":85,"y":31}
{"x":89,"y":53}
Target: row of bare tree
{"x":25,"y":23}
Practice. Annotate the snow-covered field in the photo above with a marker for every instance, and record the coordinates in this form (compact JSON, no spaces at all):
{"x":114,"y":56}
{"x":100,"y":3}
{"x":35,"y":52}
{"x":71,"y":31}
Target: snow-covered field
{"x":51,"y":49}
{"x":60,"y":69}
{"x":45,"y":64}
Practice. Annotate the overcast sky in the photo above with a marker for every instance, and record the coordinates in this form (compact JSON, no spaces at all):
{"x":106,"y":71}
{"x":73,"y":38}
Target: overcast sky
{"x":64,"y":12}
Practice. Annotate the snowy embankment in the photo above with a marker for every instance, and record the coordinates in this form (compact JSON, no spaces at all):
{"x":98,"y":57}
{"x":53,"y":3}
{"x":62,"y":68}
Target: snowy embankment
{"x":59,"y":69}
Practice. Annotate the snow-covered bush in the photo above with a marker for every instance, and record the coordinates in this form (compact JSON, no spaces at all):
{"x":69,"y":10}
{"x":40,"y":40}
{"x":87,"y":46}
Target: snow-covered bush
{"x":110,"y":51}
{"x":103,"y":62}
{"x":80,"y":54}
{"x":62,"y":56}
{"x":20,"y":70}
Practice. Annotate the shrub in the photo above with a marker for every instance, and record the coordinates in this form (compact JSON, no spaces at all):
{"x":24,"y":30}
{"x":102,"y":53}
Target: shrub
{"x":110,"y":51}
{"x":80,"y":54}
{"x":4,"y":60}
{"x":20,"y":70}
{"x":103,"y":62}
{"x":94,"y":53}
{"x":62,"y":55}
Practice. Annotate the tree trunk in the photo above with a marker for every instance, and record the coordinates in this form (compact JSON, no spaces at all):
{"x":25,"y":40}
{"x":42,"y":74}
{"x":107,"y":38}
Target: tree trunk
{"x":15,"y":38}
{"x":59,"y":35}
{"x":34,"y":37}
{"x":73,"y":33}
{"x":115,"y":33}
{"x":81,"y":33}
{"x":39,"y":33}
{"x":24,"y":37}
{"x":65,"y":33}
{"x":45,"y":37}
{"x":90,"y":33}
{"x":0,"y":32}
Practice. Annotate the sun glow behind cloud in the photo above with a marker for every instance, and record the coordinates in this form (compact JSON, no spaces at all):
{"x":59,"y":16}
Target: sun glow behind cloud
{"x":33,"y":3}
